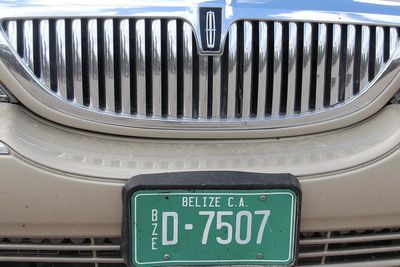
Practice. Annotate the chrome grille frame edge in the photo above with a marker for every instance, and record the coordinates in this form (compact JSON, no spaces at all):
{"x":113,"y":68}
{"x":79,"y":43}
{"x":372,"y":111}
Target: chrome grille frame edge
{"x":379,"y":89}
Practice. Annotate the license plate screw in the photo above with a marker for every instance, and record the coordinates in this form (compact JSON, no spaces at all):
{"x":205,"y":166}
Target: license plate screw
{"x":166,"y":257}
{"x":263,"y":198}
{"x":260,"y":255}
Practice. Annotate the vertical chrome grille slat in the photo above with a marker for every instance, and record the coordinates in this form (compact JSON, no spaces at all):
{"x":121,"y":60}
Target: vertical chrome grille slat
{"x":28,"y":43}
{"x":172,"y":68}
{"x":61,"y":58}
{"x":262,"y":68}
{"x":306,"y":68}
{"x":76,"y":31}
{"x":351,"y":43}
{"x":156,"y":66}
{"x":150,"y":69}
{"x":322,"y":38}
{"x":379,"y":49}
{"x":232,"y":66}
{"x":141,"y":67}
{"x":276,"y":91}
{"x":336,"y":48}
{"x":93,"y":66}
{"x":12,"y":33}
{"x":247,"y":68}
{"x":44,"y":44}
{"x":364,"y":60}
{"x":393,"y":41}
{"x":109,"y":75}
{"x":203,"y":86}
{"x":125,"y":67}
{"x":187,"y":71}
{"x":216,"y":89}
{"x":292,"y":61}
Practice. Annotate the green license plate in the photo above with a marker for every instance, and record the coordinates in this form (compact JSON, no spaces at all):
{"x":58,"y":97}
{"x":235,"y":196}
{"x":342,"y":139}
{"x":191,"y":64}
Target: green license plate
{"x":213,"y":227}
{"x":211,"y":218}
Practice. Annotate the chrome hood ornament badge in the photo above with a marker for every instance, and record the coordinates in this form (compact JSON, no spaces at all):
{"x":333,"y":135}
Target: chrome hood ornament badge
{"x":210,"y":28}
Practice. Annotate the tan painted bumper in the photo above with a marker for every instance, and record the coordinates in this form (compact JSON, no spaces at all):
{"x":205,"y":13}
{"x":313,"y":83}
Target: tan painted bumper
{"x":63,"y":182}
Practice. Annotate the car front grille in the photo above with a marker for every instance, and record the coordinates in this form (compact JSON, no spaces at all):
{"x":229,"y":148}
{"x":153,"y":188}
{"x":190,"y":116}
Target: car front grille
{"x":60,"y":250}
{"x":374,"y":247}
{"x":150,"y":69}
{"x":377,"y":247}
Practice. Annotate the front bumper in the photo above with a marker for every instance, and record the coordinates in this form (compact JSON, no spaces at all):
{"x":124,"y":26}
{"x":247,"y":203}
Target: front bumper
{"x":58,"y":181}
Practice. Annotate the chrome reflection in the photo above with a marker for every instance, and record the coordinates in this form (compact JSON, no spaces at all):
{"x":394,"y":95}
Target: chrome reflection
{"x":172,"y":68}
{"x":335,"y":72}
{"x":351,"y":43}
{"x":93,"y":64}
{"x":156,"y":66}
{"x":247,"y":68}
{"x":76,"y":32}
{"x":141,"y":68}
{"x":147,"y":72}
{"x":262,"y":68}
{"x":232,"y":66}
{"x":4,"y":149}
{"x":61,"y":58}
{"x":306,"y":67}
{"x":187,"y":70}
{"x":125,"y":67}
{"x":109,"y":64}
{"x":365,"y":39}
{"x":44,"y":44}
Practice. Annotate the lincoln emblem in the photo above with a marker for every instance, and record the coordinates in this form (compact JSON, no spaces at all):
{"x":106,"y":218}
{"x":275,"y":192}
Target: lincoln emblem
{"x":210,"y":29}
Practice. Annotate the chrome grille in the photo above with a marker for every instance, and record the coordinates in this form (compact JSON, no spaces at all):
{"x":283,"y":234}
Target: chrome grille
{"x":150,"y":69}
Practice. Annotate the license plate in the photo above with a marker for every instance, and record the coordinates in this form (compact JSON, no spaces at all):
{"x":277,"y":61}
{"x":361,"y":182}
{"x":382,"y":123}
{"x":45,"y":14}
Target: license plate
{"x":212,"y":226}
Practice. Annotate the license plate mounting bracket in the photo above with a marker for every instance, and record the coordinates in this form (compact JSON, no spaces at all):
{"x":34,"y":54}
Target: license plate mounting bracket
{"x":204,"y":180}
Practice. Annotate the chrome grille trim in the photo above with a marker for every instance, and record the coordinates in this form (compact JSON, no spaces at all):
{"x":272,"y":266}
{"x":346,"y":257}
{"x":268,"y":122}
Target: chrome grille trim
{"x":109,"y":65}
{"x":125,"y":67}
{"x":187,"y":70}
{"x":77,"y":75}
{"x":336,"y":48}
{"x":272,"y":73}
{"x":202,"y":101}
{"x":156,"y":66}
{"x":12,"y":33}
{"x":141,"y":68}
{"x":262,"y":68}
{"x":277,"y":71}
{"x":44,"y":36}
{"x":28,"y":43}
{"x":394,"y":38}
{"x":232,"y":70}
{"x":349,"y":66}
{"x":245,"y":89}
{"x":93,"y":64}
{"x":321,"y":62}
{"x":379,"y":49}
{"x":172,"y":66}
{"x":306,"y":68}
{"x":216,"y":83}
{"x":292,"y":64}
{"x":61,"y":59}
{"x":364,"y":66}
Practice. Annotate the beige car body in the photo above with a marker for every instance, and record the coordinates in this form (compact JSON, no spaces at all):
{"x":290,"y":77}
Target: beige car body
{"x":62,"y":175}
